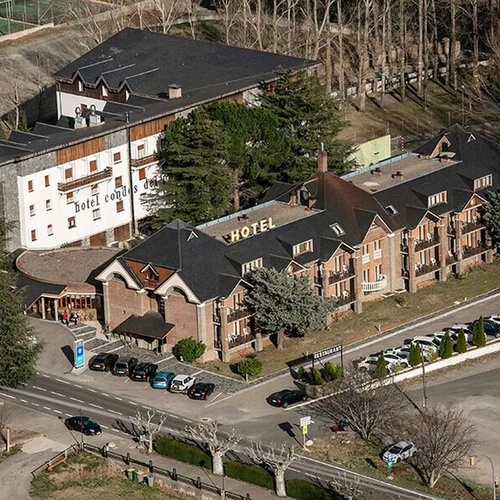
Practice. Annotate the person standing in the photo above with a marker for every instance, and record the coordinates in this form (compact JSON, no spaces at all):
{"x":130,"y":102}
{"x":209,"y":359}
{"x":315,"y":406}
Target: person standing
{"x":64,"y":317}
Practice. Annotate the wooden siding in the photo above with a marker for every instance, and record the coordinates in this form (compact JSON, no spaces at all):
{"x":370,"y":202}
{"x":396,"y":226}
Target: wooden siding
{"x":136,"y":267}
{"x":150,"y":128}
{"x":81,"y":150}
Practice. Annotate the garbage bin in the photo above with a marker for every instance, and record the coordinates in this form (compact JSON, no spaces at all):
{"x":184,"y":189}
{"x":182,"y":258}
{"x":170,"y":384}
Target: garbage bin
{"x":150,"y":480}
{"x":130,"y":474}
{"x":134,"y":474}
{"x":140,"y":476}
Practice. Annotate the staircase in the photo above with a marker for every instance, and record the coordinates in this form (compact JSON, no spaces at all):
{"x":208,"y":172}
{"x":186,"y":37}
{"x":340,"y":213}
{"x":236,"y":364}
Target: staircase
{"x":87,"y":333}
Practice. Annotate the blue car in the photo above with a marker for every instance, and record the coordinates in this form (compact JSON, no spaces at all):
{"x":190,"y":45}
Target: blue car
{"x":162,"y":380}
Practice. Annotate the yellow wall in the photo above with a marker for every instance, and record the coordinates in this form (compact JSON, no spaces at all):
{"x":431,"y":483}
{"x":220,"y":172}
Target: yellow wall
{"x":372,"y":152}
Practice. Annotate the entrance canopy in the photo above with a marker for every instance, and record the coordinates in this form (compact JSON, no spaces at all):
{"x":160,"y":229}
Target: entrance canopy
{"x":151,"y":325}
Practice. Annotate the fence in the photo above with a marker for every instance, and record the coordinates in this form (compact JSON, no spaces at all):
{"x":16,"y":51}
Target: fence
{"x":128,"y":460}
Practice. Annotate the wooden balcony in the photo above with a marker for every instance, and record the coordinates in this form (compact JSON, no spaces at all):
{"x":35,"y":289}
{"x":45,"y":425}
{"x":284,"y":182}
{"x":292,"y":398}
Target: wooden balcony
{"x":421,"y":269}
{"x":374,"y":286}
{"x":428,"y":243}
{"x":472,"y":226}
{"x":239,"y":340}
{"x":340,"y":276}
{"x":85,"y":181}
{"x":233,"y":315}
{"x":471,"y":251}
{"x":145,"y":160}
{"x":347,"y":298}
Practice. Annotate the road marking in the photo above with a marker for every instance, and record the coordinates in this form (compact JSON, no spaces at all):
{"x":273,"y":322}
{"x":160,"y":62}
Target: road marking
{"x":173,"y":416}
{"x":68,"y":414}
{"x":58,"y":394}
{"x":104,"y":394}
{"x":119,"y":399}
{"x":132,"y":403}
{"x":63,"y":381}
{"x":57,"y":411}
{"x":79,"y":386}
{"x":186,"y":420}
{"x":115,"y":430}
{"x":46,"y":376}
{"x":197,"y":373}
{"x":220,"y":400}
{"x":77,"y":400}
{"x":92,"y":390}
{"x":96,"y":406}
{"x":47,"y":408}
{"x":312,"y":475}
{"x":147,"y":407}
{"x":113,"y":411}
{"x":104,"y":426}
{"x":290,"y":468}
{"x":23,"y":400}
{"x":39,"y":388}
{"x":7,"y":395}
{"x":35,"y":404}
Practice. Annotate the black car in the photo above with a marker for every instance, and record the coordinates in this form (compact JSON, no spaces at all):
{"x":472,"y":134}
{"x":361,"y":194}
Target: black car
{"x":83,"y":424}
{"x":286,"y":397}
{"x":144,"y":371}
{"x":201,"y":390}
{"x":103,"y":362}
{"x":125,"y":366}
{"x":490,"y":327}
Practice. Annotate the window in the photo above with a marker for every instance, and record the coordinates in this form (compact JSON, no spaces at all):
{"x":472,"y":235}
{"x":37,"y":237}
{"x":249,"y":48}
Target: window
{"x":93,"y":166}
{"x":50,"y":230}
{"x":391,"y":210}
{"x":80,"y":86}
{"x":33,"y":235}
{"x":117,"y":157}
{"x":68,"y":174}
{"x":365,"y":254}
{"x":30,"y":186}
{"x":377,"y":249}
{"x":337,"y":229}
{"x":47,"y":181}
{"x":70,"y":198}
{"x":437,"y":199}
{"x":141,"y":151}
{"x":142,"y":174}
{"x":119,"y":206}
{"x":483,"y":182}
{"x":32,"y":210}
{"x":104,"y":91}
{"x":96,"y":214}
{"x":118,"y":182}
{"x":71,"y":222}
{"x":95,"y":189}
{"x":304,"y":247}
{"x":250,"y":266}
{"x":48,"y":205}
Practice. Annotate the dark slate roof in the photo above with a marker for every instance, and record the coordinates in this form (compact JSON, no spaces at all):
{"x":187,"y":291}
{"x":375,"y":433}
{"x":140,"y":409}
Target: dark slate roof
{"x":150,"y":325}
{"x":29,"y":290}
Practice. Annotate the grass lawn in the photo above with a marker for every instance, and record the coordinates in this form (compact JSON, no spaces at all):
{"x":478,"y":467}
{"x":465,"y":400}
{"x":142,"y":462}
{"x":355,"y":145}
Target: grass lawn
{"x":386,"y":314}
{"x":85,"y":476}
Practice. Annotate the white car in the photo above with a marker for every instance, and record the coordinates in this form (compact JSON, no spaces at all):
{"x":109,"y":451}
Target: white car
{"x":399,"y":451}
{"x":403,"y":352}
{"x":182,"y":383}
{"x":430,"y":345}
{"x":466,"y":328}
{"x":369,"y":364}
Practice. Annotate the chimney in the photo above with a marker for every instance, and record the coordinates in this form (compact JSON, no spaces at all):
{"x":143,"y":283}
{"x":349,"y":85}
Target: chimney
{"x":94,"y":118}
{"x":174,"y":91}
{"x":322,"y":161}
{"x":79,"y":120}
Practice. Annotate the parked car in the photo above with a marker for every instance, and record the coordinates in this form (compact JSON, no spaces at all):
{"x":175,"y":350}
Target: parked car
{"x":144,"y":371}
{"x":430,"y":345}
{"x":440,"y":336}
{"x":162,"y":380}
{"x":395,"y":359}
{"x":286,"y":397}
{"x":491,"y":327}
{"x":465,"y":327}
{"x":399,"y":451}
{"x":124,"y":366}
{"x":403,"y":352}
{"x":103,"y":362}
{"x":201,"y":390}
{"x":84,"y":425}
{"x":182,"y":383}
{"x":369,"y":364}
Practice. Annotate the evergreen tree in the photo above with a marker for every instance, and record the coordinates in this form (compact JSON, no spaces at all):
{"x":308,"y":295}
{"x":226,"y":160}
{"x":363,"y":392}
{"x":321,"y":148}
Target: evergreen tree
{"x":479,"y":335}
{"x":415,"y":357}
{"x":461,"y":342}
{"x":446,"y":347}
{"x":18,"y":352}
{"x":316,"y":378}
{"x":193,"y":162}
{"x":381,"y":368}
{"x":308,"y":117}
{"x":331,"y":371}
{"x":490,"y":216}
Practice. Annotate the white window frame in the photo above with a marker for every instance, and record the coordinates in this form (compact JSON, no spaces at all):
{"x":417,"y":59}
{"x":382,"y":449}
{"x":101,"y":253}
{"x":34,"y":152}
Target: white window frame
{"x":71,"y":222}
{"x":437,"y":199}
{"x":304,"y":247}
{"x":48,"y":205}
{"x":50,"y":230}
{"x":377,"y":249}
{"x":252,"y":265}
{"x":482,"y":182}
{"x":32,"y":210}
{"x":96,"y":214}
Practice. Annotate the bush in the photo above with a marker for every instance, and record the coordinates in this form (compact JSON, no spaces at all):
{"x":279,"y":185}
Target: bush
{"x":461,"y":342}
{"x":415,"y":358}
{"x":446,"y":347}
{"x":302,"y":374}
{"x":304,"y":490}
{"x":331,"y":371}
{"x":253,"y":474}
{"x":316,"y":378}
{"x":185,"y":452}
{"x":250,"y":366}
{"x":189,"y":349}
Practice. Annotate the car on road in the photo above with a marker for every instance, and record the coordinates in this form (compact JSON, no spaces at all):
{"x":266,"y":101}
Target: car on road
{"x":182,"y":383}
{"x":399,"y":451}
{"x":162,"y":380}
{"x":286,"y":397}
{"x":85,"y":425}
{"x":144,"y":371}
{"x":103,"y":362}
{"x":124,"y":366}
{"x":201,"y":390}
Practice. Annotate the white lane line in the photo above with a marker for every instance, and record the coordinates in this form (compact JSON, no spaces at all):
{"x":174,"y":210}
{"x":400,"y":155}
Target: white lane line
{"x":119,"y":399}
{"x":79,"y":386}
{"x":92,"y":390}
{"x":46,"y":376}
{"x":113,"y":411}
{"x":35,"y":404}
{"x":47,"y":408}
{"x":63,"y":381}
{"x":39,"y":388}
{"x":289,"y":468}
{"x":57,"y":411}
{"x":7,"y":395}
{"x":58,"y":394}
{"x":96,"y":406}
{"x":219,"y":400}
{"x":68,"y":414}
{"x":173,"y":416}
{"x":312,"y":475}
{"x":104,"y":426}
{"x":104,"y":394}
{"x":186,"y":420}
{"x":23,"y":400}
{"x":132,"y":403}
{"x":147,"y":407}
{"x":115,"y":430}
{"x":77,"y":400}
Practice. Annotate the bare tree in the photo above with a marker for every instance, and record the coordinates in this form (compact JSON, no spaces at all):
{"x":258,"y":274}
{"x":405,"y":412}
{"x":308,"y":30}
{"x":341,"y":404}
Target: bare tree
{"x":206,"y":432}
{"x":167,"y":12}
{"x":277,"y":459}
{"x":146,"y":425}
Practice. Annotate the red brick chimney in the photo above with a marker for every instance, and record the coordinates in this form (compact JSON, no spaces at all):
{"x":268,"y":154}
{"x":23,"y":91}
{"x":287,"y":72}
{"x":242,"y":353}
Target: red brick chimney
{"x":322,"y":161}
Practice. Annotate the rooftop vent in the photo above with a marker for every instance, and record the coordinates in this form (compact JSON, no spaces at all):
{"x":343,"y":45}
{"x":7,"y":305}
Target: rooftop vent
{"x":94,"y":118}
{"x":79,"y":119}
{"x":174,"y":91}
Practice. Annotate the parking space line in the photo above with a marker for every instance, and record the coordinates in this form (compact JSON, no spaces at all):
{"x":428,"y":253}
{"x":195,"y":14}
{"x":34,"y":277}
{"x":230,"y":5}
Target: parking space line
{"x":77,"y":400}
{"x":47,"y":408}
{"x":115,"y":430}
{"x":104,"y":426}
{"x":104,"y":394}
{"x":57,"y":411}
{"x":132,"y":403}
{"x":92,"y":390}
{"x":186,"y":420}
{"x":116,"y":412}
{"x":23,"y":400}
{"x":68,"y":414}
{"x":79,"y":386}
{"x":35,"y":404}
{"x":119,"y":399}
{"x":46,"y":376}
{"x":173,"y":416}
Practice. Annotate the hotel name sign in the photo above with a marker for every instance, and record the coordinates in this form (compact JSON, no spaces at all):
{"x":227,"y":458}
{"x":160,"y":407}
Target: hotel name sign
{"x":250,"y":230}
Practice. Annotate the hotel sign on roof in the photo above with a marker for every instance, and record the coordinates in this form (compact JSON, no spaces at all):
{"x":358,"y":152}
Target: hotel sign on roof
{"x":250,"y":230}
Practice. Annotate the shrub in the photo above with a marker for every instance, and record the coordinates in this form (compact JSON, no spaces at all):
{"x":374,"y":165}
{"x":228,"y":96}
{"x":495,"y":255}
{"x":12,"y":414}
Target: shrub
{"x":446,"y":347}
{"x":432,"y":356}
{"x":381,"y":368}
{"x":316,"y":378}
{"x":189,"y":349}
{"x":250,"y":473}
{"x":304,"y":490}
{"x":461,"y":342}
{"x":331,"y":371}
{"x":478,"y":335}
{"x":250,"y":366}
{"x":185,"y":452}
{"x":415,"y":357}
{"x":302,"y":374}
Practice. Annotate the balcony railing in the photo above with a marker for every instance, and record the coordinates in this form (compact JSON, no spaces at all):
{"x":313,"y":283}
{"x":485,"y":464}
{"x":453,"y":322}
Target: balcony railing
{"x":451,"y":230}
{"x":85,"y":181}
{"x":139,"y":162}
{"x":472,"y":226}
{"x":451,"y":258}
{"x":421,"y":269}
{"x":233,"y":315}
{"x":470,"y":251}
{"x":374,"y":286}
{"x":343,"y":275}
{"x":345,"y":298}
{"x":238,"y":340}
{"x":422,"y":245}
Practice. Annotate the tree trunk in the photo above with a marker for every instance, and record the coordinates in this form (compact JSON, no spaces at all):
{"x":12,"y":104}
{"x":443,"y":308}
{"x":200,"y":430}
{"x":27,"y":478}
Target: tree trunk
{"x":150,"y":442}
{"x":279,"y":339}
{"x":280,"y":484}
{"x":236,"y":191}
{"x":341,"y":50}
{"x":475,"y":54}
{"x":453,"y":44}
{"x":402,"y":41}
{"x":425,"y":54}
{"x":328,"y":62}
{"x":420,"y":45}
{"x":217,"y":465}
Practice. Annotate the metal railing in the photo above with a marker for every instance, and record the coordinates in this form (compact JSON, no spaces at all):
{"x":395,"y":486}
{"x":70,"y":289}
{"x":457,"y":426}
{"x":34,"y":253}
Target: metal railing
{"x":472,"y":226}
{"x":422,"y":245}
{"x":340,"y":276}
{"x":426,"y":268}
{"x":139,"y":162}
{"x":85,"y":181}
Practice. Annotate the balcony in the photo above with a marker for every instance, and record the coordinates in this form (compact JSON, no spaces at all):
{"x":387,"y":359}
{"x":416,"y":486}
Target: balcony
{"x":471,"y":251}
{"x":233,"y":315}
{"x":451,"y":258}
{"x":340,"y":276}
{"x":145,"y":160}
{"x":374,"y":286}
{"x":85,"y":181}
{"x":403,"y":247}
{"x":429,"y":242}
{"x":421,"y":269}
{"x":472,"y":226}
{"x":345,"y":298}
{"x":239,"y":340}
{"x":451,"y":231}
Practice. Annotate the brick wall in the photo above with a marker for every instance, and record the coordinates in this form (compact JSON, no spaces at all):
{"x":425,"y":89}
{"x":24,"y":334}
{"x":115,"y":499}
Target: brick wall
{"x":182,"y":314}
{"x":123,"y":302}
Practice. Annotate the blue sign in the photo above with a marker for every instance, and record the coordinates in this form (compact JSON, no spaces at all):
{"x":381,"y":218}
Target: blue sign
{"x":79,"y":353}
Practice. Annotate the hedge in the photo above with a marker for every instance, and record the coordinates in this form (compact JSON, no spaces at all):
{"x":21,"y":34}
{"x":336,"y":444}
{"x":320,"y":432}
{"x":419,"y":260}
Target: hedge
{"x":170,"y":447}
{"x":250,"y":473}
{"x":304,"y":490}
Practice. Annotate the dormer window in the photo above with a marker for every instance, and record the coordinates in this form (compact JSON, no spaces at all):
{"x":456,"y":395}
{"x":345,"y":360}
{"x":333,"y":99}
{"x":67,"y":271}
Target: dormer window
{"x":104,"y":91}
{"x":251,"y":266}
{"x":80,"y":86}
{"x":437,"y":199}
{"x":150,"y":275}
{"x":337,"y":229}
{"x":304,"y":247}
{"x":483,"y":182}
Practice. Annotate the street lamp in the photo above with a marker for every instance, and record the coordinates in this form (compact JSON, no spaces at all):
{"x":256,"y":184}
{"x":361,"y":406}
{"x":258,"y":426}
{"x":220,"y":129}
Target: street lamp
{"x":463,"y":108}
{"x":472,"y":461}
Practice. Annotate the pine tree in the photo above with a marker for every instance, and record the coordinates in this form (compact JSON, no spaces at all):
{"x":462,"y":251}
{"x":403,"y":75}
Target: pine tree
{"x":446,"y":347}
{"x":461,"y":342}
{"x":480,"y":339}
{"x":316,"y":378}
{"x":381,"y":368}
{"x":490,"y":216}
{"x":415,"y":357}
